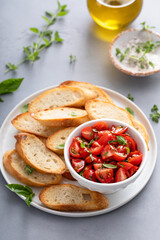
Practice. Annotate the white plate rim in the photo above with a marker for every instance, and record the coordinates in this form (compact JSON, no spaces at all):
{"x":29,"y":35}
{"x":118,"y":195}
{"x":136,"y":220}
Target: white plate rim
{"x":93,"y":213}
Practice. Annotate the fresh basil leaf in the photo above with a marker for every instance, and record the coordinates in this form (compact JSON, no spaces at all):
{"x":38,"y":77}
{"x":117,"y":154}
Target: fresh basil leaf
{"x":90,"y":143}
{"x":61,"y":146}
{"x":28,"y":169}
{"x":82,"y":144}
{"x":121,"y":140}
{"x":121,"y":165}
{"x":25,"y":108}
{"x":130,"y":111}
{"x":112,"y":141}
{"x":10,"y":85}
{"x":35,"y":30}
{"x":1,"y":100}
{"x":95,"y":130}
{"x":105,"y":153}
{"x":91,"y":156}
{"x":108,"y":165}
{"x":22,"y":190}
{"x":128,"y":150}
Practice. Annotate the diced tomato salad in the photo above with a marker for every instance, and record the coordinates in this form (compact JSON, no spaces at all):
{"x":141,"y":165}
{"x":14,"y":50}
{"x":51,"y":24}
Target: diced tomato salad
{"x":105,"y":155}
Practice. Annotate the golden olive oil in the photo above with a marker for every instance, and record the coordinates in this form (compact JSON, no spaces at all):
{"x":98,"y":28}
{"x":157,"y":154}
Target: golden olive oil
{"x":114,"y":14}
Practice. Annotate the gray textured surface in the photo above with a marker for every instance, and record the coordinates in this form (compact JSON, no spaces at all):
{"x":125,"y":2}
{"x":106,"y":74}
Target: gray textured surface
{"x":139,"y":219}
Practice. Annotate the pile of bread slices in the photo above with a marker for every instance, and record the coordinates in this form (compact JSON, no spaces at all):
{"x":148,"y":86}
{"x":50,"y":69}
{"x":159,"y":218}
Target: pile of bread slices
{"x":38,"y":160}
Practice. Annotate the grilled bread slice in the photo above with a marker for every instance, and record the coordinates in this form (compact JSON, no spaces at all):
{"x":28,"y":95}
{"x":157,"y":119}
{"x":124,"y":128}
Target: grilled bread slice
{"x":60,"y":97}
{"x":34,"y":153}
{"x":97,"y":109}
{"x":25,"y":123}
{"x":56,"y":141}
{"x":67,"y":197}
{"x":100,"y":94}
{"x":61,"y":117}
{"x":15,"y":165}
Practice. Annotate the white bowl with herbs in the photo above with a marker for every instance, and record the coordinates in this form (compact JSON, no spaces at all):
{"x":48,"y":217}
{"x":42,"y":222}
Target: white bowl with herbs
{"x":136,"y":52}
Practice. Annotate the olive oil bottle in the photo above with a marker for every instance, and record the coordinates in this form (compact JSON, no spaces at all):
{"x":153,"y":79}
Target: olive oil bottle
{"x":114,"y":14}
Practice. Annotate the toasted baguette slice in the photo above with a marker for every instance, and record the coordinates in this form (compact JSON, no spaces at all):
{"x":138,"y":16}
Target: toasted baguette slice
{"x":142,"y":130}
{"x":99,"y":109}
{"x":67,"y":197}
{"x":56,"y":141}
{"x":25,"y":123}
{"x":66,"y":174}
{"x":60,"y":97}
{"x":15,"y":165}
{"x":100,"y":94}
{"x":61,"y":117}
{"x":34,"y":153}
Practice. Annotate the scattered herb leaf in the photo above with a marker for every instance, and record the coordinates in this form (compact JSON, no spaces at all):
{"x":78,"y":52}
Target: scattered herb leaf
{"x":25,"y":108}
{"x":130,"y":111}
{"x":107,"y":165}
{"x":82,"y":144}
{"x":105,"y":153}
{"x":73,"y":59}
{"x":22,"y":190}
{"x":155,"y":115}
{"x":28,"y":169}
{"x":121,"y":140}
{"x":129,"y":96}
{"x":45,"y":38}
{"x":91,"y":156}
{"x":128,"y":150}
{"x":61,"y":146}
{"x":1,"y":100}
{"x":90,"y":143}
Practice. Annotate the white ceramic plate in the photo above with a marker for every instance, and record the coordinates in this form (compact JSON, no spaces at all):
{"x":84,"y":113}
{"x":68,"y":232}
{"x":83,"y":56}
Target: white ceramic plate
{"x":117,"y":199}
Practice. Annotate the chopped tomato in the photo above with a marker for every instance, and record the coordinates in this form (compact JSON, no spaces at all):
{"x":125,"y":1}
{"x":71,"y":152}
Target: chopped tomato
{"x":78,"y":164}
{"x":74,"y":150}
{"x":87,"y":133}
{"x":120,"y":175}
{"x":101,"y":133}
{"x":89,"y":166}
{"x":100,"y":126}
{"x":80,"y":141}
{"x":122,"y":149}
{"x":96,"y":148}
{"x":84,"y":152}
{"x":107,"y":152}
{"x":132,"y":170}
{"x":104,"y":175}
{"x":119,"y":156}
{"x":91,"y":158}
{"x":97,"y":165}
{"x":130,"y":143}
{"x":134,"y":153}
{"x":103,"y":140}
{"x":125,"y":165}
{"x":90,"y":175}
{"x":135,"y":159}
{"x":118,"y":130}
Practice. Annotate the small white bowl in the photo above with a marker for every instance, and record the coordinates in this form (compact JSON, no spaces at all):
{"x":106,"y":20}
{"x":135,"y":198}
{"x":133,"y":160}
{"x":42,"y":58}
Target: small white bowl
{"x":107,"y":188}
{"x":121,"y":42}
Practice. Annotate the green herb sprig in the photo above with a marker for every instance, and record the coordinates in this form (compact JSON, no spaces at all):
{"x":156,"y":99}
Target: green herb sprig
{"x":129,"y":96}
{"x":142,"y":48}
{"x":45,"y":38}
{"x":130,"y":110}
{"x":29,"y":169}
{"x":60,"y":146}
{"x":73,"y":59}
{"x":23,"y":191}
{"x":25,"y":108}
{"x":155,"y":115}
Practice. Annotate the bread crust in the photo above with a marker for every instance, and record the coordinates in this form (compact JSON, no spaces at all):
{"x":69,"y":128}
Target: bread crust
{"x":120,"y":111}
{"x":8,"y":161}
{"x":32,"y":126}
{"x":69,"y":121}
{"x":97,"y":201}
{"x":54,"y":140}
{"x":100,"y":94}
{"x":28,"y":157}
